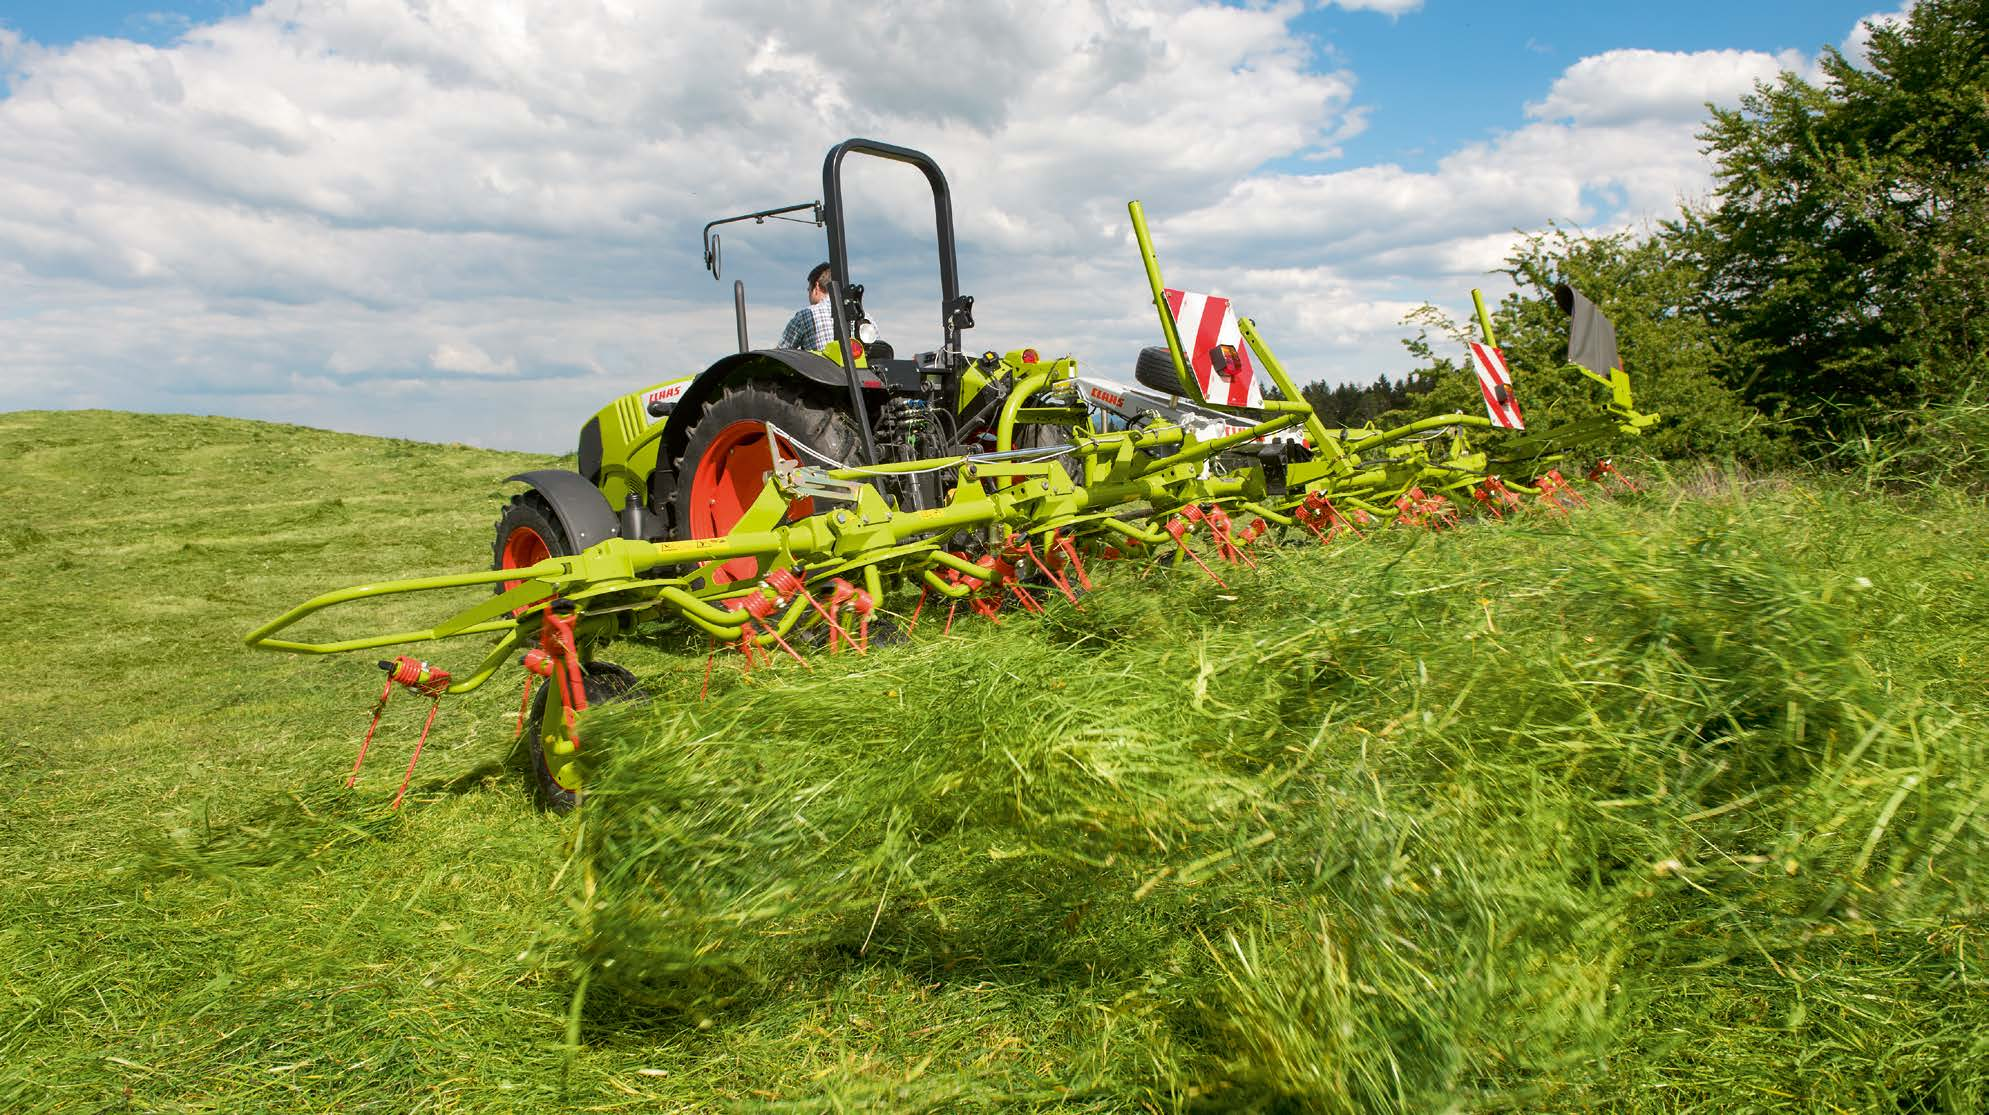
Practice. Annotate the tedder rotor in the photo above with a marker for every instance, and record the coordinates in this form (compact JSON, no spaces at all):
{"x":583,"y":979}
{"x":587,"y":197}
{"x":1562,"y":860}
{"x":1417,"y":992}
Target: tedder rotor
{"x":840,"y":491}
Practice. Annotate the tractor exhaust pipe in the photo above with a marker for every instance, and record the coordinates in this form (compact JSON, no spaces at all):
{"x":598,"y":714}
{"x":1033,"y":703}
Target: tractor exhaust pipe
{"x":739,"y":312}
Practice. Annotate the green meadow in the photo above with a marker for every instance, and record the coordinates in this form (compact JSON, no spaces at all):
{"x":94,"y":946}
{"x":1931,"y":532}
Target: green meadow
{"x":1673,"y":804}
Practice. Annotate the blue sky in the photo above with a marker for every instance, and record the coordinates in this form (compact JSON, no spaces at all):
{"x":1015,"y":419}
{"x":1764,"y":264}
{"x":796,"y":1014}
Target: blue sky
{"x":1467,"y":67}
{"x":476,"y":220}
{"x":66,"y":21}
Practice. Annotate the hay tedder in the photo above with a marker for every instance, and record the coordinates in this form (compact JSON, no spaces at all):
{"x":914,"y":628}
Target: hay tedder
{"x":785,"y":500}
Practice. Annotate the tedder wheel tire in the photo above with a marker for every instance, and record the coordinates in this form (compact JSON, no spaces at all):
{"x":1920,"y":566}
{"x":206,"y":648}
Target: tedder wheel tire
{"x":1155,"y":371}
{"x":884,"y":631}
{"x":555,"y":780}
{"x":527,"y":533}
{"x":727,"y":458}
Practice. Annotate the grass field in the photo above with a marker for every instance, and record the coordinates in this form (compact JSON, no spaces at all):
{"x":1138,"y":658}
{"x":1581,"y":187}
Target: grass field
{"x":1674,"y":805}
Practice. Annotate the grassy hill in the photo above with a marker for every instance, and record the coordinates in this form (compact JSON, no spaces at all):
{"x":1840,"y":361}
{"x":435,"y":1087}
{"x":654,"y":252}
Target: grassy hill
{"x":1673,"y":805}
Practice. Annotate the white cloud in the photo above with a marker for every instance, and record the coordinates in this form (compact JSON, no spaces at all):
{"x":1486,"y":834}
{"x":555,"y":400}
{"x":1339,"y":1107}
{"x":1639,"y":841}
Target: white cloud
{"x":373,"y":191}
{"x":1386,"y":222}
{"x":1386,"y":7}
{"x":1612,"y":145}
{"x":1643,"y":86}
{"x":477,"y":220}
{"x":467,"y":358}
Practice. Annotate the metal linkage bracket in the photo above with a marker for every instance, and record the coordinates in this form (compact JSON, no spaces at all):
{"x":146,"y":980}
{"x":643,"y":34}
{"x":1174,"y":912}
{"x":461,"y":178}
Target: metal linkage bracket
{"x":799,"y":481}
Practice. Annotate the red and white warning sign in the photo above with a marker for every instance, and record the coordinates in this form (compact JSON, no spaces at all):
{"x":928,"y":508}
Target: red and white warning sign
{"x":1216,"y":353}
{"x":1496,"y":383}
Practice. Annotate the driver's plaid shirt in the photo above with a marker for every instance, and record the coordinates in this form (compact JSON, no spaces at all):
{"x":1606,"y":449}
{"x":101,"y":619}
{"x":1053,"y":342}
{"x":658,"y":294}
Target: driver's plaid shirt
{"x":811,"y":328}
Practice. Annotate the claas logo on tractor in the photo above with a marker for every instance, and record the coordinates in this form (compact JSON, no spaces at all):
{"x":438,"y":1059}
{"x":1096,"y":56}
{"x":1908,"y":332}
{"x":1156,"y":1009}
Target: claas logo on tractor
{"x":789,"y":491}
{"x":658,"y":402}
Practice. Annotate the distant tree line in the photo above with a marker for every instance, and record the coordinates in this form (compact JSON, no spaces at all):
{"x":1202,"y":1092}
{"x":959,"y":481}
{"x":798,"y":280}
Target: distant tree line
{"x":1350,"y":404}
{"x":1836,"y":282}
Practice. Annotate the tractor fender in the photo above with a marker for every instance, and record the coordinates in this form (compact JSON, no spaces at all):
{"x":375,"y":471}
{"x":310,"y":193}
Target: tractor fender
{"x":581,"y":509}
{"x":774,"y":363}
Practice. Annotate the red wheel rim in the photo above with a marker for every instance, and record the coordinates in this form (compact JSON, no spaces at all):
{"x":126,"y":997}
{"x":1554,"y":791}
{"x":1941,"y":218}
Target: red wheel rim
{"x":523,"y":548}
{"x":727,"y":480}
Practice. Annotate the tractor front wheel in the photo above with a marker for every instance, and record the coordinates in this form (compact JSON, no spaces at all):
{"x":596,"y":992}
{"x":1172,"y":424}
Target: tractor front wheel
{"x":527,"y":533}
{"x":555,"y":755}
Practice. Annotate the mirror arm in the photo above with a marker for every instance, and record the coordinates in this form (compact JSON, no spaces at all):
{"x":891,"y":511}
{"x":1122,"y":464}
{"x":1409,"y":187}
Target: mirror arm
{"x":711,"y":251}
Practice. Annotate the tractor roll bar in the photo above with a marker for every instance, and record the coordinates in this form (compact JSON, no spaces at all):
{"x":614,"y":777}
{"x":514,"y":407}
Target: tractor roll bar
{"x":956,"y":313}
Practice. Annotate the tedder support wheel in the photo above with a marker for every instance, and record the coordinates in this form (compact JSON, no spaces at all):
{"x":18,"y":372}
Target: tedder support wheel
{"x":556,"y":773}
{"x":728,"y":456}
{"x":527,"y":533}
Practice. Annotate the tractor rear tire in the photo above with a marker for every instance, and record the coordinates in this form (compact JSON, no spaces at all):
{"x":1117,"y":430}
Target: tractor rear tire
{"x":557,"y":788}
{"x":527,"y":533}
{"x":726,"y":458}
{"x":1038,"y":435}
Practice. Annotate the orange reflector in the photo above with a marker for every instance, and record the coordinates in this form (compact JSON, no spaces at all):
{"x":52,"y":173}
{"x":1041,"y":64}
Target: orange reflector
{"x":1029,"y":356}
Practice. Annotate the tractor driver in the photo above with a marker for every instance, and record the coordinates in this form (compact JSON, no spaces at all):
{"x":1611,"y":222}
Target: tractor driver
{"x":812,"y":327}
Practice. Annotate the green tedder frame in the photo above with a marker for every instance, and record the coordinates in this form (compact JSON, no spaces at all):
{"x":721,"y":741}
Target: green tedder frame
{"x":1009,"y":527}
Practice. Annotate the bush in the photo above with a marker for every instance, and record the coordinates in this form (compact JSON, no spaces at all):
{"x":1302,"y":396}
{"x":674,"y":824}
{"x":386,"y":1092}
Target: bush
{"x":1944,"y":445}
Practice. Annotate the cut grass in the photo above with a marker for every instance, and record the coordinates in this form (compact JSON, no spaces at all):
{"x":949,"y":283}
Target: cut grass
{"x":1611,"y":811}
{"x":1674,"y":805}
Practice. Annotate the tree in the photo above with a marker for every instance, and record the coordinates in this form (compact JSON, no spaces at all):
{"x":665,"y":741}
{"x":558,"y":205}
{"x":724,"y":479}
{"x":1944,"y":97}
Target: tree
{"x":1351,"y":405}
{"x":1843,"y":259}
{"x":1840,"y":275}
{"x":1651,"y":289}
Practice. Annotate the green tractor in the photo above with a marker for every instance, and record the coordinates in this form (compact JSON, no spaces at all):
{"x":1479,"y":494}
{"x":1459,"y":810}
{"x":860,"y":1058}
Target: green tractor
{"x":686,"y":457}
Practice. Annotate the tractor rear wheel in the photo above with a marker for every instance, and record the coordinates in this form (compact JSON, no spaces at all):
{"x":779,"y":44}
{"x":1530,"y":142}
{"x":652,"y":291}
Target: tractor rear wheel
{"x":1041,"y":436}
{"x":527,"y":533}
{"x":729,"y":455}
{"x":555,"y":760}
